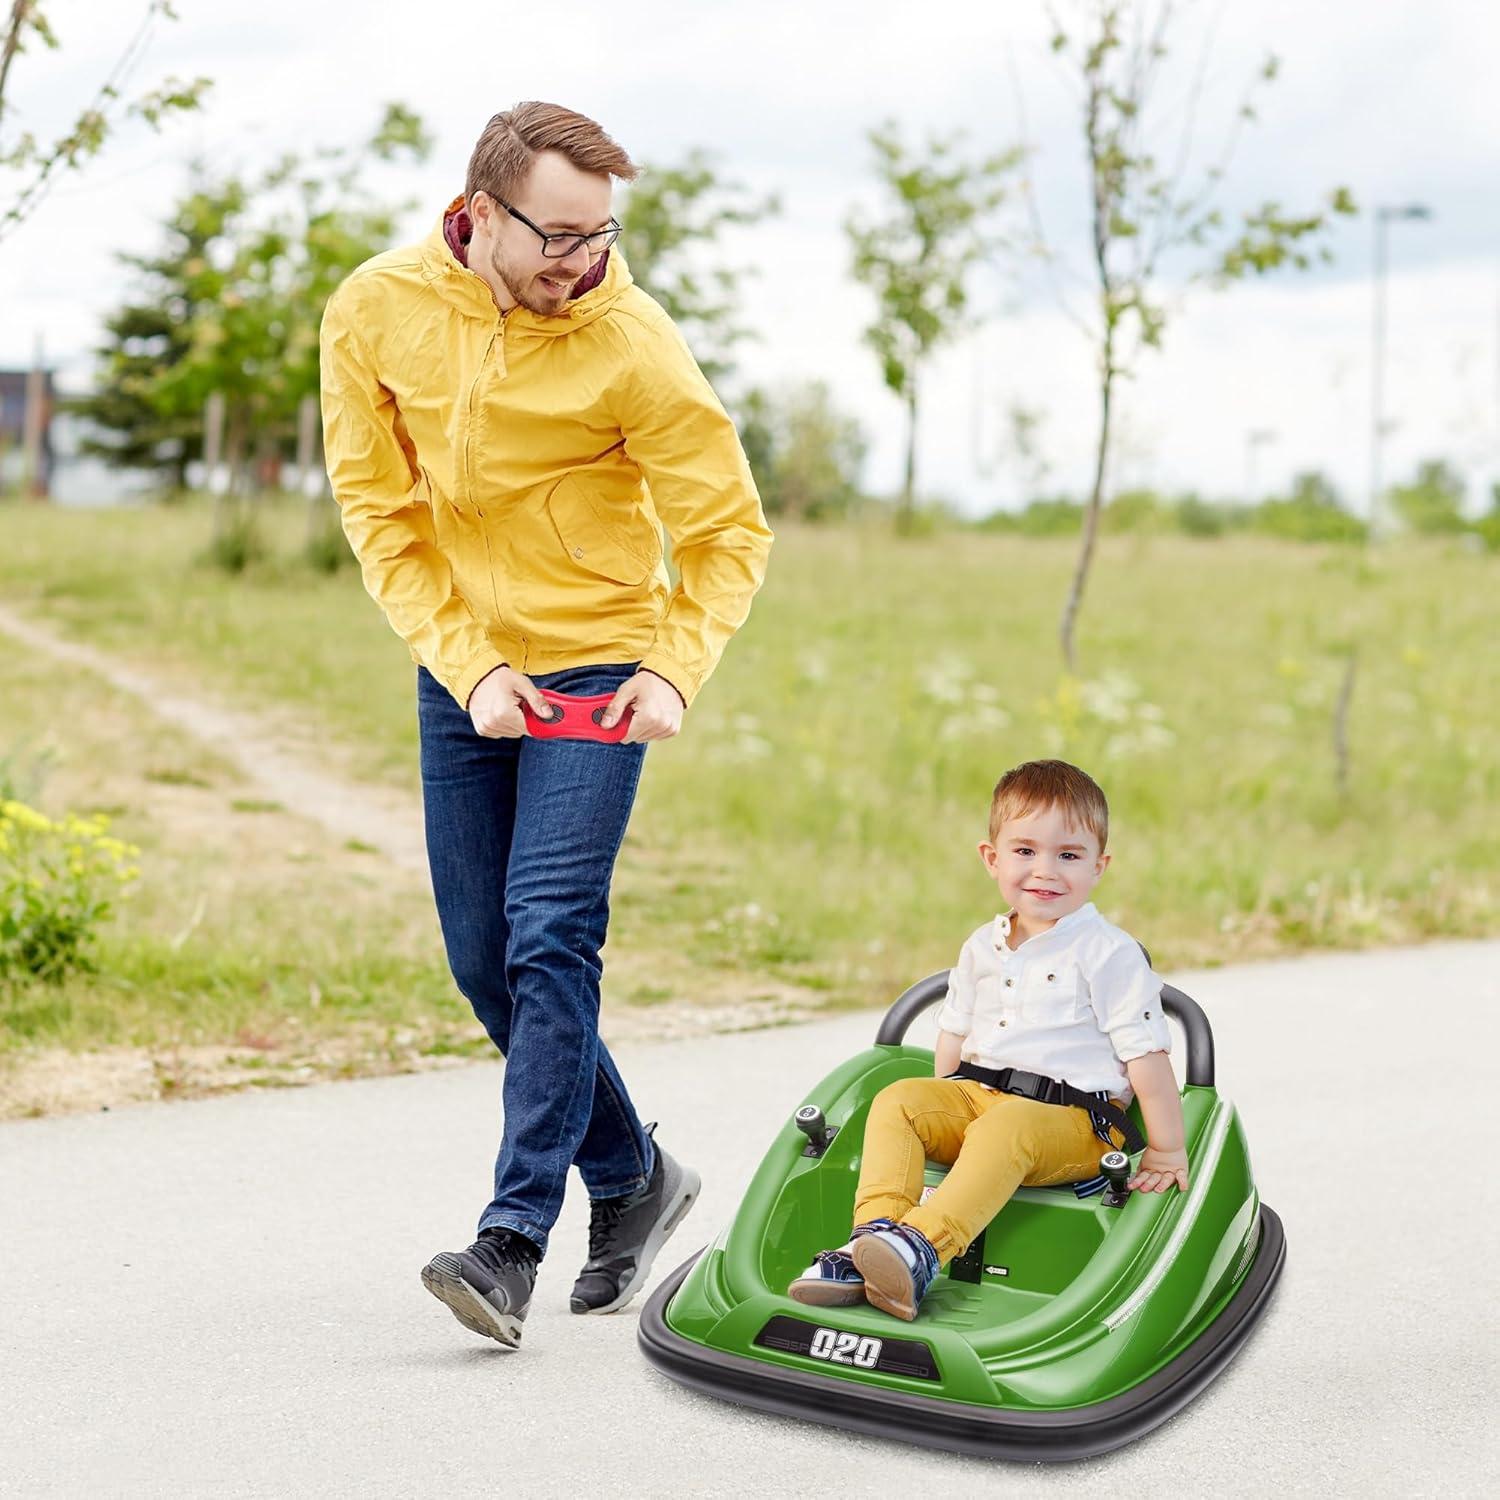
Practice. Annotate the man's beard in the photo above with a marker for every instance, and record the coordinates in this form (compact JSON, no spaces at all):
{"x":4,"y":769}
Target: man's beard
{"x":525,"y":292}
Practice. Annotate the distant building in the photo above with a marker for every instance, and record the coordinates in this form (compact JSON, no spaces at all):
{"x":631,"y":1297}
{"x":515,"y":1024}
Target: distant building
{"x":68,"y":476}
{"x":13,"y":456}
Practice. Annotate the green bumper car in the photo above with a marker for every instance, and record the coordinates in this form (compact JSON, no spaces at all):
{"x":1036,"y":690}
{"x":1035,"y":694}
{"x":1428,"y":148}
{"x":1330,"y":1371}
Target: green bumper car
{"x":1077,"y":1321}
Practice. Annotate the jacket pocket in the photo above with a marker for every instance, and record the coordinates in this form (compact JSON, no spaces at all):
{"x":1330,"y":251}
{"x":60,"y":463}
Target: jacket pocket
{"x":605,"y":534}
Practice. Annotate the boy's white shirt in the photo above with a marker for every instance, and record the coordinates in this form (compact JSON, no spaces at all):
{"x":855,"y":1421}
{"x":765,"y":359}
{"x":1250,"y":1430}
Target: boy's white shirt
{"x":1076,"y":1002}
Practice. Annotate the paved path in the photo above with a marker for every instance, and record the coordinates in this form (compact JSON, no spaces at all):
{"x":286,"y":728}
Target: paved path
{"x":221,"y":1297}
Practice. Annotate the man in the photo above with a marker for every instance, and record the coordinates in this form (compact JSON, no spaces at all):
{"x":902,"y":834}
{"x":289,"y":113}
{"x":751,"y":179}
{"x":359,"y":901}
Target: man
{"x":508,"y":422}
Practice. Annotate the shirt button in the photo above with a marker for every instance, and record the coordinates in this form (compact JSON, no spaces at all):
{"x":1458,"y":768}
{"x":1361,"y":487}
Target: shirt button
{"x":578,"y":552}
{"x":1010,"y":984}
{"x":1148,"y":1015}
{"x":1004,"y":1022}
{"x":1051,"y":977}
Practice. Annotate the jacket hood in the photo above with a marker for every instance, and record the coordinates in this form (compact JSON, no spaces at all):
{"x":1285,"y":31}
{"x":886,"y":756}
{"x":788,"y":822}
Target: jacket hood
{"x":445,"y":266}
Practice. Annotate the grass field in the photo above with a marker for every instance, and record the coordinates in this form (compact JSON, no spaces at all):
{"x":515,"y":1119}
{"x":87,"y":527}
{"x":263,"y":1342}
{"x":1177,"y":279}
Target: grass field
{"x":813,"y":827}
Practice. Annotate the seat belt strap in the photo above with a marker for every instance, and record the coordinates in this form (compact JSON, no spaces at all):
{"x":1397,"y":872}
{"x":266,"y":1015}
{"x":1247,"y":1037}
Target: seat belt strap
{"x":1046,"y":1090}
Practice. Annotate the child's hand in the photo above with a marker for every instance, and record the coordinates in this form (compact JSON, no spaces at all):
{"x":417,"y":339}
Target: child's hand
{"x":1158,"y":1170}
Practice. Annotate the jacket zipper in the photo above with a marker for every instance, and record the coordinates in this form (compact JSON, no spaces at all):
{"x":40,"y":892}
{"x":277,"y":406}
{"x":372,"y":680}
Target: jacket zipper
{"x":499,"y":333}
{"x":489,"y":556}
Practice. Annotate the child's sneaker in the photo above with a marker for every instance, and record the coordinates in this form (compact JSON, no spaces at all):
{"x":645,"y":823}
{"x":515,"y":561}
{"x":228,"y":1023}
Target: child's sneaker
{"x":830,"y":1281}
{"x":898,"y":1265}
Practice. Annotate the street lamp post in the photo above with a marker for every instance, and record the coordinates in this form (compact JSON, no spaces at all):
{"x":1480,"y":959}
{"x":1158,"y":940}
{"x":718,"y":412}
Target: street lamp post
{"x":1384,"y":213}
{"x":1255,"y":439}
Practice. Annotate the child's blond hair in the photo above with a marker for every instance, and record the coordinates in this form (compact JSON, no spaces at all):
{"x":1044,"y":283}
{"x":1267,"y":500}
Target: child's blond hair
{"x":1041,"y":784}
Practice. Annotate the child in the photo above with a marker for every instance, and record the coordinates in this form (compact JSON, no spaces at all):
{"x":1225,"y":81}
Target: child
{"x":1049,"y":988}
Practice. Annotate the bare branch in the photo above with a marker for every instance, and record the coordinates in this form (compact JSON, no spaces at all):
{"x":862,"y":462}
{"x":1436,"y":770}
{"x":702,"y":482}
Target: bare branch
{"x":1190,"y":122}
{"x":1050,"y":260}
{"x":1179,"y":226}
{"x":21,"y":12}
{"x":94,"y":122}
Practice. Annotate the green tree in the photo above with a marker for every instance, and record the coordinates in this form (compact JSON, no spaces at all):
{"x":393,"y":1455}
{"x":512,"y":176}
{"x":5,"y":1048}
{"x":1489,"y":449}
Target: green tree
{"x":1141,"y":213}
{"x":232,"y":304}
{"x":672,"y":217}
{"x":1433,"y":502}
{"x":917,"y":261}
{"x":28,"y":167}
{"x":807,"y":456}
{"x":132,"y":434}
{"x":142,"y":422}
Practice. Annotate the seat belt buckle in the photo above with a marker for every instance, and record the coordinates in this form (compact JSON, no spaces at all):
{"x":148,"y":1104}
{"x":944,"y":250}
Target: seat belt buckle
{"x":1033,"y":1086}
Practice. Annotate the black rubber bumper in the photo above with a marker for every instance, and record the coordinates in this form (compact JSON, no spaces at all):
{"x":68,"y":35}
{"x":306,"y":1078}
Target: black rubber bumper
{"x":955,"y":1427}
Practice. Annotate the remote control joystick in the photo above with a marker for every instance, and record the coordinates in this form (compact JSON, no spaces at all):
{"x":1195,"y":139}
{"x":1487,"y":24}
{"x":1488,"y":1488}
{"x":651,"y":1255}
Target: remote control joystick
{"x":1116,"y":1167}
{"x":809,"y":1120}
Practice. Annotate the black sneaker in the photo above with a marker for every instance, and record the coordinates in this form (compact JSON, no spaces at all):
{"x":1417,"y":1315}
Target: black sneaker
{"x":626,"y":1233}
{"x":488,"y":1286}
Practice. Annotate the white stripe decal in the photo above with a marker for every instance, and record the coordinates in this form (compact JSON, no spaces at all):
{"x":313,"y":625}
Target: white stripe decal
{"x":1202,"y":1175}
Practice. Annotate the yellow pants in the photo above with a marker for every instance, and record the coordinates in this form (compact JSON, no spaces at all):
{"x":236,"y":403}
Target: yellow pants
{"x":992,"y":1143}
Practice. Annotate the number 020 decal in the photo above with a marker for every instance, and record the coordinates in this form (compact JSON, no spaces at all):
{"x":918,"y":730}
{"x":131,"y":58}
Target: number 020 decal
{"x":845,"y":1348}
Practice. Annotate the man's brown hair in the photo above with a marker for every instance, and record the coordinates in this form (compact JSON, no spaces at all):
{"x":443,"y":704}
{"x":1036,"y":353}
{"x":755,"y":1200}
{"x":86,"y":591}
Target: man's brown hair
{"x":1041,"y":784}
{"x":510,"y":143}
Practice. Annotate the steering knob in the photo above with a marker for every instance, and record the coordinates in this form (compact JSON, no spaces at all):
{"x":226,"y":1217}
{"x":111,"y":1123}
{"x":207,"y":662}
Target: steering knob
{"x":809,"y":1120}
{"x":1116,"y":1167}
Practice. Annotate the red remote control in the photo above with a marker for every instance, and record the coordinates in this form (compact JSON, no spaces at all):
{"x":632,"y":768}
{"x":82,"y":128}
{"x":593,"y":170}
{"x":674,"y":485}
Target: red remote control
{"x":576,"y":718}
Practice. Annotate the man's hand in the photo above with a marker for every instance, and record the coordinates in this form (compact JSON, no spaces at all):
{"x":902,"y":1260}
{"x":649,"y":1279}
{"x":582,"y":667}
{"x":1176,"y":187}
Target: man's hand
{"x":1159,"y":1170}
{"x":654,"y":702}
{"x":495,"y":704}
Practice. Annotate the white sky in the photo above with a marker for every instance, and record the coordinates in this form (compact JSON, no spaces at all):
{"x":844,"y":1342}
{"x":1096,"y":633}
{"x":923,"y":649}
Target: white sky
{"x":1397,"y":100}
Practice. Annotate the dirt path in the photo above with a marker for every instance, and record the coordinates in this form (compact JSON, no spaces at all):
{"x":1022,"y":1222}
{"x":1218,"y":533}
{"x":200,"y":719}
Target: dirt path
{"x":313,"y":807}
{"x":261,"y":748}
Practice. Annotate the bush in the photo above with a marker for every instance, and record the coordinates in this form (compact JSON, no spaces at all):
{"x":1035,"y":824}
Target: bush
{"x":237,"y":542}
{"x":1197,"y":517}
{"x":1060,"y":517}
{"x":1137,"y":511}
{"x":57,"y":881}
{"x":1311,"y":513}
{"x":327,"y":550}
{"x":1433,"y":503}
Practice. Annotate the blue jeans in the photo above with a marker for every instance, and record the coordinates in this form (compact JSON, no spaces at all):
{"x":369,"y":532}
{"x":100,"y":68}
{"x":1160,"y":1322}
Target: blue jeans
{"x":522,"y":836}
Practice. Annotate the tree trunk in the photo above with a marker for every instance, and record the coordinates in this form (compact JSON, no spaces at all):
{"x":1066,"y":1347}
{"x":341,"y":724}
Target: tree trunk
{"x":1090,"y":516}
{"x":311,"y":476}
{"x":906,"y":510}
{"x":226,"y":493}
{"x":213,"y":453}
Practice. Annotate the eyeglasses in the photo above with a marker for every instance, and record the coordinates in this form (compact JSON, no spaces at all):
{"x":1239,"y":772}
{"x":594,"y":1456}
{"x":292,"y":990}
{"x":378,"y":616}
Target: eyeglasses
{"x":557,"y":246}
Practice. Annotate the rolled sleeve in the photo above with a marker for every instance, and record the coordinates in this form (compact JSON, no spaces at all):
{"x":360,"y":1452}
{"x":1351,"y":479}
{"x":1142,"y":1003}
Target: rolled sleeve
{"x":957,"y":1013}
{"x":1125,"y":993}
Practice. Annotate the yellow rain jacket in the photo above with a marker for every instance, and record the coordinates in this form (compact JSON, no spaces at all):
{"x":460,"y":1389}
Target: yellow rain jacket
{"x":503,"y":478}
